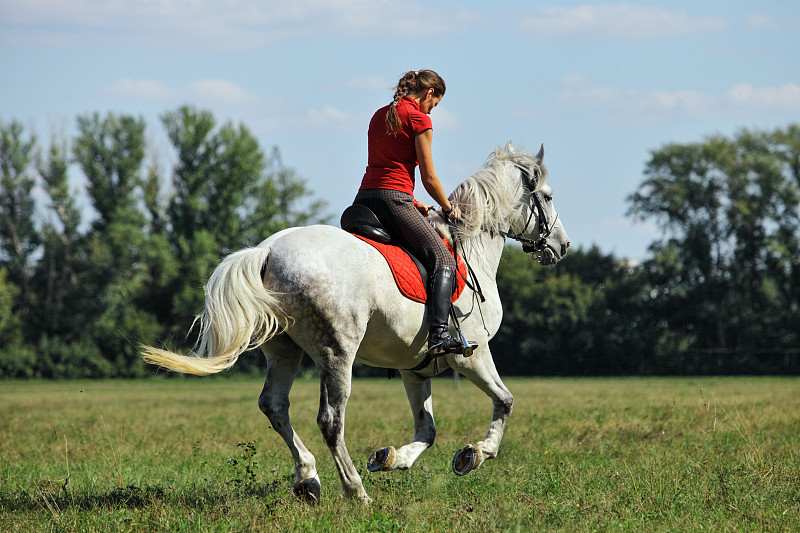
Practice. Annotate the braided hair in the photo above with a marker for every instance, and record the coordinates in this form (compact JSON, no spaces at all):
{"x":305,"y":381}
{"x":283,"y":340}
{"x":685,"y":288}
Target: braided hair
{"x":413,"y":83}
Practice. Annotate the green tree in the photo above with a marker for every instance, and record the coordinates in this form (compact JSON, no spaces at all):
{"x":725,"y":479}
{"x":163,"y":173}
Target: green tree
{"x":16,"y":359}
{"x":545,"y":318}
{"x":10,"y":331}
{"x":18,"y":236}
{"x":58,"y":270}
{"x":80,"y":289}
{"x":587,"y":315}
{"x":110,"y":152}
{"x":725,"y":274}
{"x":217,"y":169}
{"x":295,"y":208}
{"x":225,"y":197}
{"x":618,"y":319}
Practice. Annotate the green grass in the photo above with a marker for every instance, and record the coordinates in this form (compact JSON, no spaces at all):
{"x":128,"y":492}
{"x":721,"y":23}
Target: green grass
{"x":578,"y":455}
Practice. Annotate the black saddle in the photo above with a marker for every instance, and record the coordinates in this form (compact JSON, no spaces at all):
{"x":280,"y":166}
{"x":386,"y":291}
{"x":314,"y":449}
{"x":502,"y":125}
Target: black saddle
{"x":360,"y":219}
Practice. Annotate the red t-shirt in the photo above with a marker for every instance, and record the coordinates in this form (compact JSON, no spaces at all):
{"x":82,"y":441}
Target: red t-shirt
{"x":392,"y":159}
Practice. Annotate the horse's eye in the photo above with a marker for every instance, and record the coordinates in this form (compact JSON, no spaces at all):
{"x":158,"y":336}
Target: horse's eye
{"x":548,"y":198}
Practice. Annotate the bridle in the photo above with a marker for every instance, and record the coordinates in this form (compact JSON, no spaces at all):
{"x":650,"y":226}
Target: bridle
{"x":535,"y":247}
{"x":539,"y":245}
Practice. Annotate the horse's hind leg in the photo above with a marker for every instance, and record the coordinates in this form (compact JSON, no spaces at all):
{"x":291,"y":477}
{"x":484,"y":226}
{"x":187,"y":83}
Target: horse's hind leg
{"x":283,"y":359}
{"x":335,"y":382}
{"x":418,"y":391}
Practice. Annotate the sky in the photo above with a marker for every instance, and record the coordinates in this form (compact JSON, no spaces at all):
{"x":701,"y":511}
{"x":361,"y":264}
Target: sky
{"x":600,"y":84}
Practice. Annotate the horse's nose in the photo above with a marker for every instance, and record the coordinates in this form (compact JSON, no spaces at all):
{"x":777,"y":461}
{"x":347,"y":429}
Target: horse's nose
{"x":564,"y":248}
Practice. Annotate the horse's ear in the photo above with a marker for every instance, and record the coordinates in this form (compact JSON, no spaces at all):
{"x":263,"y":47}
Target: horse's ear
{"x":540,"y":155}
{"x":509,"y":147}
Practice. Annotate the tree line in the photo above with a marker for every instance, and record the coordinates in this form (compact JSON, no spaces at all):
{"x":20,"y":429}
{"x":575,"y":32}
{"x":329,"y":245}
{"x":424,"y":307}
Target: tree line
{"x":82,"y":285}
{"x":85,"y":277}
{"x":718,"y":293}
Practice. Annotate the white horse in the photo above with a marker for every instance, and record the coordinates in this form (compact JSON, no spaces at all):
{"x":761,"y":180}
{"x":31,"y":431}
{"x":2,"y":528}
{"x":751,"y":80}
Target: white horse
{"x":322,"y":291}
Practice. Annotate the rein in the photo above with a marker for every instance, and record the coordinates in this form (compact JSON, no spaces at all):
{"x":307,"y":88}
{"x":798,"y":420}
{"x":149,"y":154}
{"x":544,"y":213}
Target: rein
{"x":471,"y":280}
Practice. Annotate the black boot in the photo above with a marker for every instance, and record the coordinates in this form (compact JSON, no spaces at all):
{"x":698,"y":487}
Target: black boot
{"x":439,"y":300}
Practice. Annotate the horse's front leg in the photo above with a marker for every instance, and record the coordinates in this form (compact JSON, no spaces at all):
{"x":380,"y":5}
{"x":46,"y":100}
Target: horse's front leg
{"x":480,"y":370}
{"x":418,"y":391}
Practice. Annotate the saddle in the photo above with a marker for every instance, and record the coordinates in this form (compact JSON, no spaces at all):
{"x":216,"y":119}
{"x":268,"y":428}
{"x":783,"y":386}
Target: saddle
{"x":409,"y":273}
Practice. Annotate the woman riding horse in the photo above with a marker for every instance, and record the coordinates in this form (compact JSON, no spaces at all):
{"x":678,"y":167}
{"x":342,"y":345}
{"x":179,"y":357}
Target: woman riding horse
{"x":400,"y":136}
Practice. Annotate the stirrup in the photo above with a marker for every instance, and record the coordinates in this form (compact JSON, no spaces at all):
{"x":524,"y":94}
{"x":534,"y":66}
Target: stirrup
{"x":449,"y":345}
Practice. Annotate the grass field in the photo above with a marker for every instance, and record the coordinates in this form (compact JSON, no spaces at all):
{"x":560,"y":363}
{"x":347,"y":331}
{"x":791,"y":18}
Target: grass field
{"x":695,"y":454}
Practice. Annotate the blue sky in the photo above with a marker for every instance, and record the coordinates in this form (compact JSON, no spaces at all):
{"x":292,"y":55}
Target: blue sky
{"x":600,"y":84}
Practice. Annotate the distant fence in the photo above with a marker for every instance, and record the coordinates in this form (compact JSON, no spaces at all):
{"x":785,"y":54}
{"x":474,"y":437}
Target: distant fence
{"x":690,"y":363}
{"x":734,"y":362}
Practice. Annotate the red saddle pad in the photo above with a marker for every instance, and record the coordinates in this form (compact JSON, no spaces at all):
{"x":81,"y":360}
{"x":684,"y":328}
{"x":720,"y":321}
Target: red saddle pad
{"x":406,"y":274}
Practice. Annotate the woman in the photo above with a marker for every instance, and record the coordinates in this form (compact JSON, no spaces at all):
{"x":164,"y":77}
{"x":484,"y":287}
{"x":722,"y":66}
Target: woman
{"x":400,"y":137}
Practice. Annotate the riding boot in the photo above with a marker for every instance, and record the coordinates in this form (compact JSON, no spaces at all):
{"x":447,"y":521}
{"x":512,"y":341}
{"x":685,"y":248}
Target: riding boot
{"x":439,"y":300}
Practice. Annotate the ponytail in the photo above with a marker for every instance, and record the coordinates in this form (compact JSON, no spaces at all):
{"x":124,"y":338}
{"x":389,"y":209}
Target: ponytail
{"x":413,"y":83}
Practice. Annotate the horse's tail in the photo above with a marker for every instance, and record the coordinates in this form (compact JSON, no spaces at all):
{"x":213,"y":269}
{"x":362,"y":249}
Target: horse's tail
{"x":240,"y":314}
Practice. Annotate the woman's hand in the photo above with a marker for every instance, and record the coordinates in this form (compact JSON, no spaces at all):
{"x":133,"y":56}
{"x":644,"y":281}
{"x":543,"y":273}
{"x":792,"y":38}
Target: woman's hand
{"x":453,"y":214}
{"x":425,"y":209}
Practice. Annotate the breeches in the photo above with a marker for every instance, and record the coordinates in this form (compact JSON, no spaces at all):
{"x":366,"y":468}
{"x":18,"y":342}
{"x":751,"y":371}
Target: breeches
{"x":407,"y":226}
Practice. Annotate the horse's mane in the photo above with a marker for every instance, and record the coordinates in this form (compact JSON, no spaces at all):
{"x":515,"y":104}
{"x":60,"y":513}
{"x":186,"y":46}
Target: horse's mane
{"x":490,"y":198}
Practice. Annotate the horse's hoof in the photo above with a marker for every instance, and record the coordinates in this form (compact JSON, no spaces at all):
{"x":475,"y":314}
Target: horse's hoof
{"x":466,"y":460}
{"x":308,"y":490}
{"x":382,"y":460}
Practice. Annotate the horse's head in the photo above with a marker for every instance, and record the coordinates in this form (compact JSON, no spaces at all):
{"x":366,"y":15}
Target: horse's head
{"x":542,"y":234}
{"x":509,"y":196}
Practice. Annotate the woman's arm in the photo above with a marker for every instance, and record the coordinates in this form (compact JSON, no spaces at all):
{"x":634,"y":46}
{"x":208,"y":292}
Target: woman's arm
{"x":431,"y":183}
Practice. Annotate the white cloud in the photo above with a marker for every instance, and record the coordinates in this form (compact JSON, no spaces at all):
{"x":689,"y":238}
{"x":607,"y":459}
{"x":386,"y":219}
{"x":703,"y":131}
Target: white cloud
{"x":613,"y":22}
{"x":783,"y":98}
{"x":368,"y":83}
{"x":222,"y":91}
{"x":758,"y":21}
{"x":762,"y":22}
{"x":224,"y":98}
{"x":215,"y":25}
{"x":617,"y":104}
{"x":138,"y":90}
{"x":578,"y":91}
{"x":326,"y":119}
{"x":329,"y":118}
